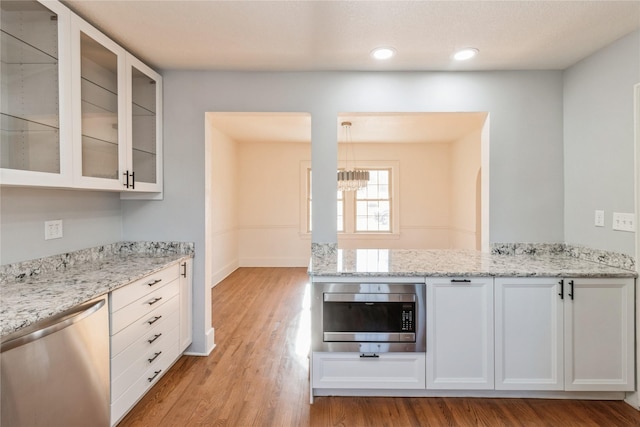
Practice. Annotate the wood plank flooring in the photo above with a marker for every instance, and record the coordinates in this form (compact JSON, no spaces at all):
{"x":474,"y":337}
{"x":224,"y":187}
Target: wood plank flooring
{"x":258,"y":376}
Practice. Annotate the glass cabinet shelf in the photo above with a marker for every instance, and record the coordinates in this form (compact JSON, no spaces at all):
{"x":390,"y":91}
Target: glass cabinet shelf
{"x":11,"y":123}
{"x":139,"y":110}
{"x":17,"y":51}
{"x":98,"y":98}
{"x":29,"y":145}
{"x":100,"y":157}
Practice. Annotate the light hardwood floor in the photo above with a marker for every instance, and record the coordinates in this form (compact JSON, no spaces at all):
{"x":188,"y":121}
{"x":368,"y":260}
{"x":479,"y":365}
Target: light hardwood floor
{"x":258,"y":376}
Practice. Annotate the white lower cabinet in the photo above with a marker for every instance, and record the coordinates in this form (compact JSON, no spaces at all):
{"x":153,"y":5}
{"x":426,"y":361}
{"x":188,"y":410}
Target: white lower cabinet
{"x":353,"y":371}
{"x":146,"y":326}
{"x":599,"y":334}
{"x":460,"y":333}
{"x":564,"y":334}
{"x":529,"y":334}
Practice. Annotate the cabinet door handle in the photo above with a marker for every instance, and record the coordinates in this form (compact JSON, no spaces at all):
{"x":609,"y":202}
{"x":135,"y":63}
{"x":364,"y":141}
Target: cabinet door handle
{"x":155,"y":356}
{"x":126,"y":179}
{"x":154,"y":320}
{"x":155,"y":374}
{"x":184,"y":269}
{"x":561,"y":283}
{"x":571,"y":291}
{"x":155,"y":300}
{"x":155,"y":282}
{"x":460,"y":281}
{"x":133,"y":180}
{"x":155,"y":337}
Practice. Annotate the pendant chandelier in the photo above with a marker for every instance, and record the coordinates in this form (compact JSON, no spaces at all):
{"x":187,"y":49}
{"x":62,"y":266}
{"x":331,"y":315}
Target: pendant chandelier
{"x":351,"y":179}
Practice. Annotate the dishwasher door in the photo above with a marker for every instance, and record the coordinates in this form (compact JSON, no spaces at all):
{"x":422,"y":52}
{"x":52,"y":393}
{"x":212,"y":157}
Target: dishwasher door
{"x":56,"y":372}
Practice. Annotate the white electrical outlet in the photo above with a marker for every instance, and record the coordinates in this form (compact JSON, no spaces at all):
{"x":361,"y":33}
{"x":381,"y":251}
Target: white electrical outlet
{"x":53,"y":229}
{"x":599,"y":218}
{"x":624,"y":221}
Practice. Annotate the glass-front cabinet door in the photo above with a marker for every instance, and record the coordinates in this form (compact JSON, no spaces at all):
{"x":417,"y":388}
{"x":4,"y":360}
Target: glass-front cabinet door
{"x":99,"y":109}
{"x":35,"y":138}
{"x":144,"y":102}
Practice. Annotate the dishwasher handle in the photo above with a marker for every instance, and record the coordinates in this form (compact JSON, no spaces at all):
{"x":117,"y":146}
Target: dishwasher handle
{"x":52,"y":325}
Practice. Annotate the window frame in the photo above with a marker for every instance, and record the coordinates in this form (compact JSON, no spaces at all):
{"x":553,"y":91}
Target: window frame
{"x":349,"y":204}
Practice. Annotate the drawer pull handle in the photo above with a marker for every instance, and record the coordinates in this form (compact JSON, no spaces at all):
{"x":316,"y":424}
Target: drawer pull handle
{"x":155,"y":282}
{"x":155,"y":300}
{"x":155,"y":356}
{"x":155,"y":337}
{"x":155,"y":374}
{"x":460,"y":281}
{"x":369,"y":355}
{"x":154,"y":320}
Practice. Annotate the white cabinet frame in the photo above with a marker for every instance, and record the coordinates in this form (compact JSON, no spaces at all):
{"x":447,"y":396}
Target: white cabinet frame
{"x":460,"y":342}
{"x":599,"y":335}
{"x":64,"y":179}
{"x":78,"y":26}
{"x":529,"y":334}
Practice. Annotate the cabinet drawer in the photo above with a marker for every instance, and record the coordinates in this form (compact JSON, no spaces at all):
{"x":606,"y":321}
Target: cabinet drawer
{"x":142,"y":307}
{"x":120,"y":406}
{"x":165,"y":346}
{"x":127,"y":294}
{"x":147,"y":342}
{"x":349,"y":370}
{"x":143,"y":326}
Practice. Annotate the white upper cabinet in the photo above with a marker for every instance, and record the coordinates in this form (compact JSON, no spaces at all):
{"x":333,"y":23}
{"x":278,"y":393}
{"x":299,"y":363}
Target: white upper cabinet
{"x":98,"y":76}
{"x":78,"y":111}
{"x":144,"y":126}
{"x":117,"y":101}
{"x":35,"y":143}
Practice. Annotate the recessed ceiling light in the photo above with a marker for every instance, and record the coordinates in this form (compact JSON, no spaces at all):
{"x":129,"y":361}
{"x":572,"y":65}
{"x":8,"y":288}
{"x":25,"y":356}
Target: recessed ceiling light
{"x":383,"y":53}
{"x":464,"y":54}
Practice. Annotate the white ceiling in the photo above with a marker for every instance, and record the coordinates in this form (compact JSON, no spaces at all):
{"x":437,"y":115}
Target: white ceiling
{"x":338,"y":35}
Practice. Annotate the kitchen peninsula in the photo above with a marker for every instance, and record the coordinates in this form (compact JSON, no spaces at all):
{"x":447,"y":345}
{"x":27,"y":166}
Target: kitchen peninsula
{"x":545,"y":323}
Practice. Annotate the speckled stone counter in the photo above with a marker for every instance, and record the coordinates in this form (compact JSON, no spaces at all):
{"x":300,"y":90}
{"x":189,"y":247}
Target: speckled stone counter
{"x":35,"y":290}
{"x":453,"y":263}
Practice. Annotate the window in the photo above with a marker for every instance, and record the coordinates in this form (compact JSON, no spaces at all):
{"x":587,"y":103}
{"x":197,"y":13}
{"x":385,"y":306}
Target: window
{"x":369,"y":210}
{"x":373,"y":203}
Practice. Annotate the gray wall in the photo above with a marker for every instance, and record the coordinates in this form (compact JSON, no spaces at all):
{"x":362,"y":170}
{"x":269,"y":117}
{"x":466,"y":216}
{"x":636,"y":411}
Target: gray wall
{"x":599,"y":144}
{"x":89,"y":218}
{"x":526,"y":199}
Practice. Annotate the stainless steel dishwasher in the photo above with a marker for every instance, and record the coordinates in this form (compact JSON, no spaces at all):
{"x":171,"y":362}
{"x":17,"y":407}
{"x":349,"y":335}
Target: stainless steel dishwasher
{"x":56,"y":372}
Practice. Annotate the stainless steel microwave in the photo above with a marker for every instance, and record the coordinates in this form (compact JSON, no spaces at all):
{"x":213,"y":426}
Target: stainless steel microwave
{"x":368,"y":317}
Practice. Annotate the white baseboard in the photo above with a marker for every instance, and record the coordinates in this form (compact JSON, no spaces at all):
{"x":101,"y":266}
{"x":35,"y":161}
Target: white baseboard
{"x":222,"y":273}
{"x":210,"y":345}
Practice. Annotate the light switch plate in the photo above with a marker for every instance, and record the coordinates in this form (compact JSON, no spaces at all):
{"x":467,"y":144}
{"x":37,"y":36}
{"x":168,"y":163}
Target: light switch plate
{"x":53,"y":229}
{"x":624,"y":221}
{"x":599,"y":218}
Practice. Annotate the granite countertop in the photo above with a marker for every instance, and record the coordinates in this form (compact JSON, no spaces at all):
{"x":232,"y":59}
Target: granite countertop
{"x":26,"y":298}
{"x":454,"y":263}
